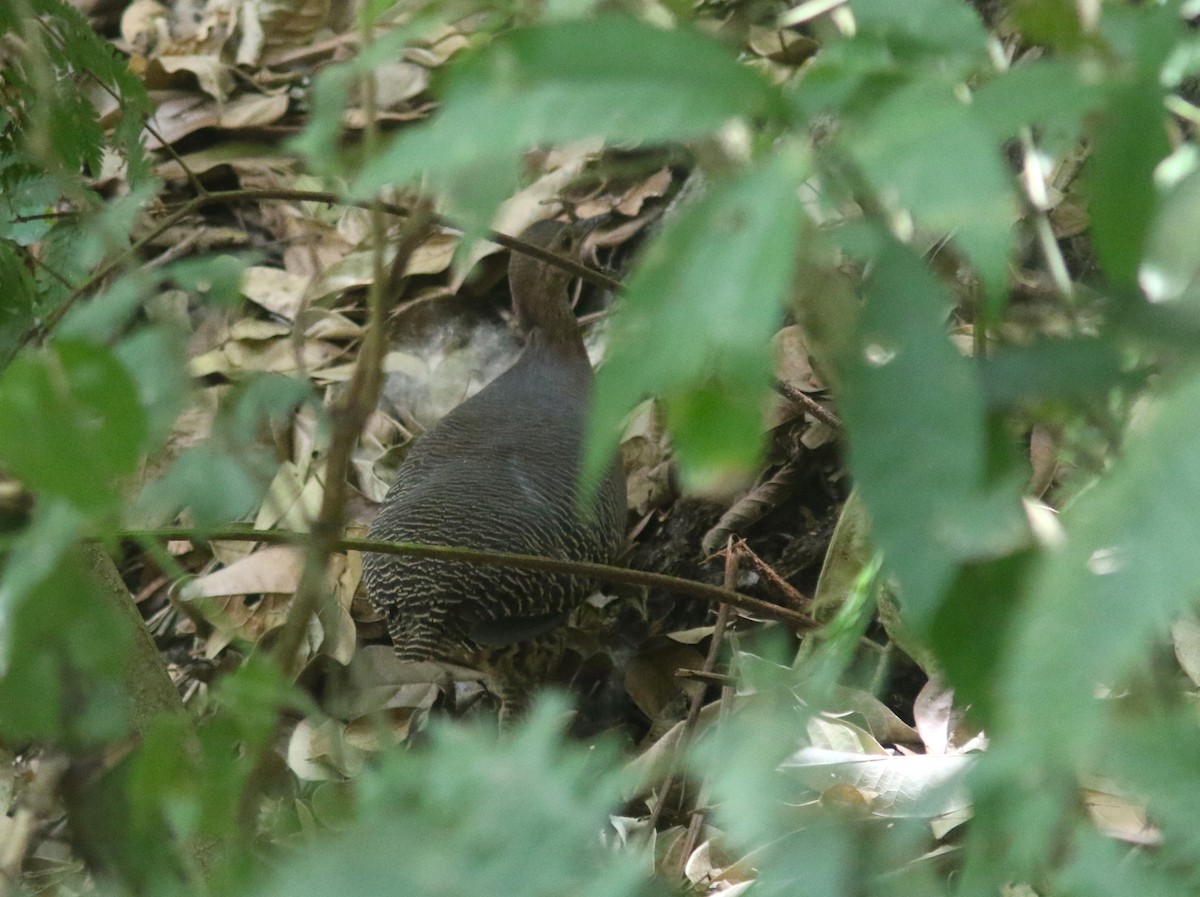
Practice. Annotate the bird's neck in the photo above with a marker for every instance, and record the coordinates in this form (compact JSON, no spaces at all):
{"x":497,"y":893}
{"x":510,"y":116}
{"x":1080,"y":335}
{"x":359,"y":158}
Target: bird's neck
{"x":547,"y":319}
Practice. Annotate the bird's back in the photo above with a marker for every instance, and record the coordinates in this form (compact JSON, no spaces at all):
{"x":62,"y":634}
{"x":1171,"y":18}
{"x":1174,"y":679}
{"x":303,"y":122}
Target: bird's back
{"x":500,"y":473}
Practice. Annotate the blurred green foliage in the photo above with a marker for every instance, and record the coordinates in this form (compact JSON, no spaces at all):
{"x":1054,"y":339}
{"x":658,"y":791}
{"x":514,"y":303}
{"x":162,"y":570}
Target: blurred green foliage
{"x":899,"y":136}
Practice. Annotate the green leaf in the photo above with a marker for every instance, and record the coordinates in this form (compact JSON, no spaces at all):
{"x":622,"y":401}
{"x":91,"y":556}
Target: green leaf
{"x":938,"y":28}
{"x":218,"y":277}
{"x":72,"y":423}
{"x":1171,"y":267}
{"x":61,"y":643}
{"x":697,"y":317}
{"x":915,"y":422}
{"x":1123,"y":199}
{"x":1053,"y":22}
{"x":1044,"y":91}
{"x":1128,"y":566}
{"x":25,"y":193}
{"x":928,"y":151}
{"x":1052,"y":369}
{"x":611,"y":77}
{"x":17,"y":309}
{"x":468,"y":812}
{"x":153,"y":357}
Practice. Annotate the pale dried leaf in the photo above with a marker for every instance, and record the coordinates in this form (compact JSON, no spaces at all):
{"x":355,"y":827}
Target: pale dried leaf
{"x":913,"y":785}
{"x":275,"y":568}
{"x":382,"y":731}
{"x":398,"y":82}
{"x":253,"y":111}
{"x":1121,"y":817}
{"x":282,"y":494}
{"x":257,"y":329}
{"x":213,"y":76}
{"x":828,"y":732}
{"x":177,"y":115}
{"x":436,"y":50}
{"x":145,"y":24}
{"x":793,"y":360}
{"x":317,"y":751}
{"x":935,"y":715}
{"x":276,"y":290}
{"x":650,"y":676}
{"x":884,"y":725}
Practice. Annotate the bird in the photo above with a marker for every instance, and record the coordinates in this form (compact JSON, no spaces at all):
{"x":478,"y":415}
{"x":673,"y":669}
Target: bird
{"x":500,"y":472}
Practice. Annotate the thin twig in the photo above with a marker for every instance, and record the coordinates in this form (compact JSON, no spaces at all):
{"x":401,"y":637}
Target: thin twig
{"x":348,"y":415}
{"x":710,"y":662}
{"x":702,"y":591}
{"x":697,"y":702}
{"x":772,"y":581}
{"x":809,"y":404}
{"x":180,"y":212}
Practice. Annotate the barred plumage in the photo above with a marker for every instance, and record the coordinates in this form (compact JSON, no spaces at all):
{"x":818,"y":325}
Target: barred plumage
{"x":499,"y":472}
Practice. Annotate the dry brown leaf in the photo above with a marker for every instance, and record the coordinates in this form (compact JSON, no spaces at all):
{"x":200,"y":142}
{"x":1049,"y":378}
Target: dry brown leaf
{"x":536,"y":202}
{"x":434,"y":254}
{"x":257,"y":329}
{"x":434,"y":51}
{"x":145,"y":24}
{"x":793,"y":361}
{"x":645,"y":455}
{"x":318,"y":751}
{"x":651,"y":188}
{"x":1121,"y":817}
{"x":828,"y":732}
{"x":650,"y":677}
{"x":233,"y":617}
{"x":373,"y":680}
{"x":323,"y":323}
{"x":398,"y":82}
{"x":382,"y":731}
{"x":252,"y":111}
{"x":176,"y":115}
{"x":275,"y":568}
{"x":274,"y":356}
{"x":782,"y":45}
{"x":276,"y":290}
{"x":212,"y":75}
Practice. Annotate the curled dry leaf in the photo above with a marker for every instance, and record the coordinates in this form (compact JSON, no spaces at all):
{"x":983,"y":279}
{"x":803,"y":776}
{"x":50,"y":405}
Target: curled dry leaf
{"x":318,"y":751}
{"x":652,"y":187}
